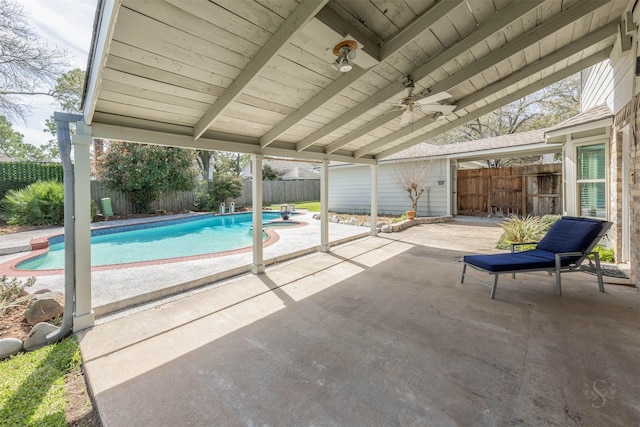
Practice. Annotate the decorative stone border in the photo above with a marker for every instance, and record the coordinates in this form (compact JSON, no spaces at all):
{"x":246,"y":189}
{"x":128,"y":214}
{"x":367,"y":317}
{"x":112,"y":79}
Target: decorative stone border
{"x":403,"y":225}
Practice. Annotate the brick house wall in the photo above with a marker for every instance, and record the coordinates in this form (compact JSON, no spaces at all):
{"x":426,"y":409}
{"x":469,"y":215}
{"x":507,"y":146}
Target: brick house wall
{"x":615,"y":192}
{"x":634,"y":220}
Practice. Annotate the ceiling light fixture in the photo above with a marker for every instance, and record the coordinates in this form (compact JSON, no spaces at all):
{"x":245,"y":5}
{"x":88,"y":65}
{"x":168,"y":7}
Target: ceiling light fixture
{"x":345,"y":51}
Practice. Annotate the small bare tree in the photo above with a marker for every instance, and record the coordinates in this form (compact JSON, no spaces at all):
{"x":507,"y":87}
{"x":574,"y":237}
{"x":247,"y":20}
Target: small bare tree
{"x":411,"y":175}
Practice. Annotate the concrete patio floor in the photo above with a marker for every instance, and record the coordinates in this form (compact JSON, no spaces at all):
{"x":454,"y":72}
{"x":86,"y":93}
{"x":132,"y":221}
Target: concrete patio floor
{"x":377,"y":332}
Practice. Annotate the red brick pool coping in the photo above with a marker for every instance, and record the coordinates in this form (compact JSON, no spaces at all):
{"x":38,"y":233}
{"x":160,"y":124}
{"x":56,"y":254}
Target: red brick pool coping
{"x":40,"y":246}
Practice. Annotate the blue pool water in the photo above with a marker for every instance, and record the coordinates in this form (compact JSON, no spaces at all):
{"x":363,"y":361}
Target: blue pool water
{"x":158,"y":240}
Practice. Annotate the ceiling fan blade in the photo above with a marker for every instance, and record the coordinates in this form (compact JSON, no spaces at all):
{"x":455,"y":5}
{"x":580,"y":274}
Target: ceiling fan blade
{"x":406,"y":118}
{"x":433,"y":98}
{"x":445,"y":109}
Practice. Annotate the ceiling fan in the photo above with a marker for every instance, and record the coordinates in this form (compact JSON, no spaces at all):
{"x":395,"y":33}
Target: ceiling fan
{"x":411,"y":103}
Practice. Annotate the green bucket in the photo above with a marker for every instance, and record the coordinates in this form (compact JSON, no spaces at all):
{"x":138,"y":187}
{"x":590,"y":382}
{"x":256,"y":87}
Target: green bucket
{"x":106,"y":207}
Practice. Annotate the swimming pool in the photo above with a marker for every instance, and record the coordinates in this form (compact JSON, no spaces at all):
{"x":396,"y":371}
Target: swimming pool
{"x":158,"y":240}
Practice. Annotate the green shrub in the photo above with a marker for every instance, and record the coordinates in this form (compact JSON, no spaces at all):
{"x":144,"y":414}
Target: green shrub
{"x":41,"y":203}
{"x":94,"y":209}
{"x":400,"y":218}
{"x":222,"y":188}
{"x":519,"y":230}
{"x":605,"y":254}
{"x":548,"y":221}
{"x":144,"y":171}
{"x":203,"y":201}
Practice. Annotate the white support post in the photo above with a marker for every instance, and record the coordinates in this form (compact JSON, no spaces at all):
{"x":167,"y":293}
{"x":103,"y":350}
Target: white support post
{"x":256,"y":194}
{"x":324,"y":207}
{"x":83,"y":316}
{"x":449,"y":182}
{"x":453,"y":190}
{"x":374,"y":201}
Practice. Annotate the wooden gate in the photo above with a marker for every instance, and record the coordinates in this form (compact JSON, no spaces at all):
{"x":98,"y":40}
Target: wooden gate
{"x":518,"y":190}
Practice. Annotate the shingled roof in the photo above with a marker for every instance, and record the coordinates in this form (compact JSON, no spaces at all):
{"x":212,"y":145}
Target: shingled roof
{"x":513,"y":143}
{"x":594,"y":114}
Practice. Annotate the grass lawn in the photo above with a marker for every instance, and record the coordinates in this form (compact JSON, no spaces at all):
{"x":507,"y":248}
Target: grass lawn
{"x":311,"y":206}
{"x":32,"y":385}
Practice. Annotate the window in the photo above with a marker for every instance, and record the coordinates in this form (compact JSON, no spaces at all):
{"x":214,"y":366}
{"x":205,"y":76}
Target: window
{"x":591,"y":176}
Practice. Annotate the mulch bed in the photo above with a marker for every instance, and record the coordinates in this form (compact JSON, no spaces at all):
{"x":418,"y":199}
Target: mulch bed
{"x":607,"y":270}
{"x":13,"y":323}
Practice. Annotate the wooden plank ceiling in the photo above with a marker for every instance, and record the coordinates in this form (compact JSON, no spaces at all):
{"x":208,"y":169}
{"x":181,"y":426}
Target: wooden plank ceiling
{"x":256,"y":76}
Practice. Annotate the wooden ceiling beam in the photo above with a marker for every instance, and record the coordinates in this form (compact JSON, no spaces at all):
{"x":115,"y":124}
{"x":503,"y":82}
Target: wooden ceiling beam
{"x":417,"y":27}
{"x":300,"y":16}
{"x":313,"y":104}
{"x":103,"y":30}
{"x":561,"y":20}
{"x":393,"y":136}
{"x":221,"y":142}
{"x":508,"y":15}
{"x":565,"y":52}
{"x":540,"y":84}
{"x":564,"y":18}
{"x":335,"y":21}
{"x":363,"y":130}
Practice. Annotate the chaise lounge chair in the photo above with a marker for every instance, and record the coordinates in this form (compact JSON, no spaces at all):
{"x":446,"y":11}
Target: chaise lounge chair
{"x":567,"y":244}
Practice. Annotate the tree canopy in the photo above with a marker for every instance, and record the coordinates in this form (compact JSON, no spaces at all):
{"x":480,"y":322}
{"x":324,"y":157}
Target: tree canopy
{"x":68,"y":93}
{"x":13,"y":146}
{"x":27,"y":65}
{"x":143,"y":171}
{"x":268,"y":174}
{"x":215,"y":163}
{"x":544,"y":108}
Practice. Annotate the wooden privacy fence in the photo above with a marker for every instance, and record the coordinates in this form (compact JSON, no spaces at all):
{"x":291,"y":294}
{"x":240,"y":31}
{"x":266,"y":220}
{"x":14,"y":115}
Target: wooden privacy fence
{"x":274,"y":192}
{"x":168,"y":201}
{"x":521,"y":190}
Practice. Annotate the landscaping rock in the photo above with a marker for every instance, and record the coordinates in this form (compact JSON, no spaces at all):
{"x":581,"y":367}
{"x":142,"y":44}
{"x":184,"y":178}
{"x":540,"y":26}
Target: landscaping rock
{"x":44,"y":307}
{"x":335,"y":218}
{"x":317,"y":216}
{"x":9,"y":347}
{"x":353,"y":221}
{"x":38,"y":336}
{"x":42,"y":291}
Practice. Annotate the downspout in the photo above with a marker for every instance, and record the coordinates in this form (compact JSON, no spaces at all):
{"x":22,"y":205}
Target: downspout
{"x":64,"y":147}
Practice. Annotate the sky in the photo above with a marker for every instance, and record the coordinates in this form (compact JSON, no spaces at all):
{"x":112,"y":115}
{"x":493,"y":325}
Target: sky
{"x":67,"y":24}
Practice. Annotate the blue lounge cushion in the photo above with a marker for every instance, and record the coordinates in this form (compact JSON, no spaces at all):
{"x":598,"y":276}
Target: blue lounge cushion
{"x":533,"y":259}
{"x":570,"y":234}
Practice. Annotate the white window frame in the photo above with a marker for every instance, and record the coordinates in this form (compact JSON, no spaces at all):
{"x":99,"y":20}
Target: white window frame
{"x":578,"y":207}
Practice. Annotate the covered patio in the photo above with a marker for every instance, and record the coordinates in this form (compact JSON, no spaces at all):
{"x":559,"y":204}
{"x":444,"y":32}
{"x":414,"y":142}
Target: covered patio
{"x":376,"y":332}
{"x":315,"y":80}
